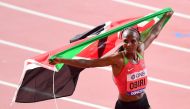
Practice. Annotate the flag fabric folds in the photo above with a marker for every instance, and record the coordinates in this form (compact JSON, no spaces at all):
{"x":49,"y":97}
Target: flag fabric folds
{"x":42,"y":81}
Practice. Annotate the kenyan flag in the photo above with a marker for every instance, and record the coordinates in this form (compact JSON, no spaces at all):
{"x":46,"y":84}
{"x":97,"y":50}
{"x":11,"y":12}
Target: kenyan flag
{"x":42,"y":81}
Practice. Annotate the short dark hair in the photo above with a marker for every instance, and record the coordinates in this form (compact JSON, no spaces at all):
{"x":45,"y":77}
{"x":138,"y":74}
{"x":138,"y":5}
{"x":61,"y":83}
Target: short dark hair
{"x":134,"y":29}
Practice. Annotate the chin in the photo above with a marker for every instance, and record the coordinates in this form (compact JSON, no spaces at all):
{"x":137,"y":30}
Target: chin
{"x":130,"y":51}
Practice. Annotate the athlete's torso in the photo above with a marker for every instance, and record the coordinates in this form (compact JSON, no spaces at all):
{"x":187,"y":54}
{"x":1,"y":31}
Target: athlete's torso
{"x":132,"y":79}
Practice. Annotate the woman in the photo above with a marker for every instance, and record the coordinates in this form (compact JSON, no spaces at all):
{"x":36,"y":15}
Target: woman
{"x":128,"y":67}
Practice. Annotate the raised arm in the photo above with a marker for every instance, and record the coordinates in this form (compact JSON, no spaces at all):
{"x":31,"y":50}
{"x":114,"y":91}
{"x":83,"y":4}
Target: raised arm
{"x":84,"y":63}
{"x":155,"y":30}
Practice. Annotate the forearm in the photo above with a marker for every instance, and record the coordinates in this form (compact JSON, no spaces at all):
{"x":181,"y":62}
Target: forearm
{"x":155,"y":30}
{"x":82,"y":63}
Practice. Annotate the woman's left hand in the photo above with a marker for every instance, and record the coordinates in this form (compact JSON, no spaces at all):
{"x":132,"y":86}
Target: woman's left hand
{"x":168,"y":14}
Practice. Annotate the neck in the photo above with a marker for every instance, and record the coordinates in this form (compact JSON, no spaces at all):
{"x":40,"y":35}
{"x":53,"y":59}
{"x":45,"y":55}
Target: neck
{"x":131,"y":55}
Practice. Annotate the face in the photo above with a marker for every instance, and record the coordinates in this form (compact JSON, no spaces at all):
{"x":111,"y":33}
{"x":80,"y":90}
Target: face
{"x":131,"y":40}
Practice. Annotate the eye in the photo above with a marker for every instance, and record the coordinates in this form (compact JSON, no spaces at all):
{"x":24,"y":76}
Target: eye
{"x":125,"y":41}
{"x":133,"y":41}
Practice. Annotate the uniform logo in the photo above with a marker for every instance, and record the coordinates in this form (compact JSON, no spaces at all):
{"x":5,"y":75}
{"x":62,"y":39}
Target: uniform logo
{"x":136,"y":75}
{"x":133,"y":77}
{"x":136,"y":92}
{"x":130,"y":69}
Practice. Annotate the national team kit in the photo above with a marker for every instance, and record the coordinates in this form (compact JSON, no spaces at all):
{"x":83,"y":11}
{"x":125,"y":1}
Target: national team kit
{"x":133,"y":78}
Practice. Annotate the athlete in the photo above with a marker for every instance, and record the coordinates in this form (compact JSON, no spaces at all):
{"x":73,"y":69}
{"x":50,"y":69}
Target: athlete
{"x":129,"y":71}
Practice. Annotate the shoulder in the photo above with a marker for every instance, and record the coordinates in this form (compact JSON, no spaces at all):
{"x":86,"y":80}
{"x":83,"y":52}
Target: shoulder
{"x":116,"y":58}
{"x":116,"y":55}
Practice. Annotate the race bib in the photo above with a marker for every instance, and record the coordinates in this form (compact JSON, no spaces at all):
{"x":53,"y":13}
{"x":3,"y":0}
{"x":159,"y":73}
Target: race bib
{"x":136,"y":82}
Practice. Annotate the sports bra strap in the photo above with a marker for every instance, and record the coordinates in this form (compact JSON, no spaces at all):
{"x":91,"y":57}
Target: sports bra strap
{"x":125,"y":59}
{"x":140,"y":56}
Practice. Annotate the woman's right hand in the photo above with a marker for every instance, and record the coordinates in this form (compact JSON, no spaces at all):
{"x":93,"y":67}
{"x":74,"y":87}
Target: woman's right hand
{"x":55,"y":61}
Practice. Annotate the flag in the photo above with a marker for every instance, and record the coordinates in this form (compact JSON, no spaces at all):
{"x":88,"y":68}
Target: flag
{"x":42,"y":81}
